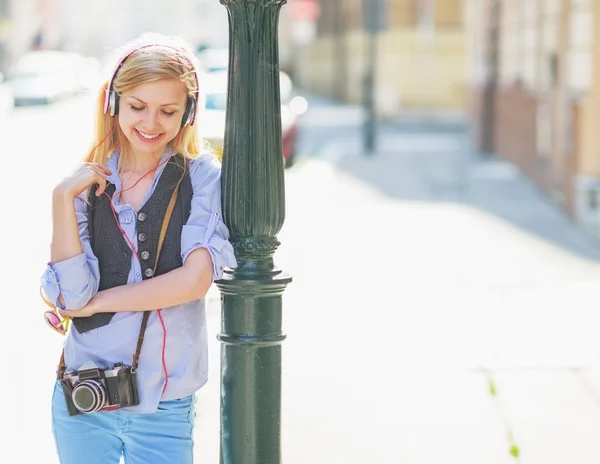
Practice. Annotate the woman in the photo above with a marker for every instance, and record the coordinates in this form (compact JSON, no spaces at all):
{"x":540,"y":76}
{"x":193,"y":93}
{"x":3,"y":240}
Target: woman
{"x":143,"y":192}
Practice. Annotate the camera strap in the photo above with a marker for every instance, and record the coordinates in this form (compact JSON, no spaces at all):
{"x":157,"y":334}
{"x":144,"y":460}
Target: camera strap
{"x":145,"y":317}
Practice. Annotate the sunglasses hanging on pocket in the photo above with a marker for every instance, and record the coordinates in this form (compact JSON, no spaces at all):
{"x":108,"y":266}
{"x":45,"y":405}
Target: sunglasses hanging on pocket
{"x":53,"y":319}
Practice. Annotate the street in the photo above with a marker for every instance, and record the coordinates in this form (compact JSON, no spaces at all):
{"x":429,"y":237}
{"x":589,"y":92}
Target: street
{"x":425,"y":277}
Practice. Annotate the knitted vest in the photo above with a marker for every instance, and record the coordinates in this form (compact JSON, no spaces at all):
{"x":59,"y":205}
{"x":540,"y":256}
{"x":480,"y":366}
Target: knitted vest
{"x":113,"y":252}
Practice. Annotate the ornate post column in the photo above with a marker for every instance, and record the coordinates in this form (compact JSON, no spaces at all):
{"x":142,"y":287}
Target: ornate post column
{"x":254,"y":210}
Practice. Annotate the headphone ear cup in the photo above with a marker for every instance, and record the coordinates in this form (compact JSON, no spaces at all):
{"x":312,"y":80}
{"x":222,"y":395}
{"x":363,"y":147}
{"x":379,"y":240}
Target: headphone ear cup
{"x":113,"y":103}
{"x":189,"y":112}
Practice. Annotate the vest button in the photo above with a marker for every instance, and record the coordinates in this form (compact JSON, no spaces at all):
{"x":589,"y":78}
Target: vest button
{"x":141,"y":217}
{"x":145,"y":255}
{"x":148,"y":272}
{"x":142,"y":237}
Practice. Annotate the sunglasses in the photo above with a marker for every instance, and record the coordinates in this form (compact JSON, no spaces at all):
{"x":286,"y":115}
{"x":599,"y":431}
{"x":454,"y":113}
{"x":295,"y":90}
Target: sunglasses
{"x":52,"y":318}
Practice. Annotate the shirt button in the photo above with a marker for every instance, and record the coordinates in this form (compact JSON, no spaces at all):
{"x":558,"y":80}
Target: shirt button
{"x":137,"y":274}
{"x":145,"y":255}
{"x":142,"y":237}
{"x":141,"y":217}
{"x":148,"y":272}
{"x":126,"y":221}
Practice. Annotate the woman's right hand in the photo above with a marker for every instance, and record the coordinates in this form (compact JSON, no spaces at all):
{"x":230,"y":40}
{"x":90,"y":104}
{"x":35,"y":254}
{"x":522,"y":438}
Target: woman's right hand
{"x":84,"y":177}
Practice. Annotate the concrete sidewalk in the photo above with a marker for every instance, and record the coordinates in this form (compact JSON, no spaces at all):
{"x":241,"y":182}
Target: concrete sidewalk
{"x":422,"y":277}
{"x":442,"y":311}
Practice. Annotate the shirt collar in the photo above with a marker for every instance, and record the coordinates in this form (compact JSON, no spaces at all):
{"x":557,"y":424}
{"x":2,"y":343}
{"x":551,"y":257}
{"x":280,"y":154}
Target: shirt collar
{"x":113,"y":164}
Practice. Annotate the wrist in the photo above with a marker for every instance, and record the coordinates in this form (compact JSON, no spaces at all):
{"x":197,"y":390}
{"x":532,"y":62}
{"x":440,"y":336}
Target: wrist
{"x":96,"y":303}
{"x":62,"y":194}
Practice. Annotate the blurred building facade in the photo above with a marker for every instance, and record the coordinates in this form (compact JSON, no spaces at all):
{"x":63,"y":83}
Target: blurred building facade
{"x":27,"y":24}
{"x":535,"y":94}
{"x":95,"y":28}
{"x":421,"y":54}
{"x":4,"y":33}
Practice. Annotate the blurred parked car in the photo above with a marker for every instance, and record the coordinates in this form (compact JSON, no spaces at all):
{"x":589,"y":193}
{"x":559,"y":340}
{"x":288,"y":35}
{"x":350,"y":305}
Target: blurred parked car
{"x":292,"y":107}
{"x":212,"y":120}
{"x":45,"y":76}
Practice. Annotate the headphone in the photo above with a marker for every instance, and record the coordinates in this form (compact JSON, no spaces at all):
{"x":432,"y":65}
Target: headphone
{"x":111,"y":98}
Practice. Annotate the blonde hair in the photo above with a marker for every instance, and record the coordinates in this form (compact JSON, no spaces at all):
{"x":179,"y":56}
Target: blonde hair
{"x":162,"y":57}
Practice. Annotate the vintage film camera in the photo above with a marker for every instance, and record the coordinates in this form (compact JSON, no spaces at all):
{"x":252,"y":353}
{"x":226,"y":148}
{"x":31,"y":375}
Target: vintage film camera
{"x":92,"y":389}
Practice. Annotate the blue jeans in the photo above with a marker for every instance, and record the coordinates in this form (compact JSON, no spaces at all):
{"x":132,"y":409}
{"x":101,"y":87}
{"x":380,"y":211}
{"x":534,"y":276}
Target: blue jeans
{"x":102,"y":437}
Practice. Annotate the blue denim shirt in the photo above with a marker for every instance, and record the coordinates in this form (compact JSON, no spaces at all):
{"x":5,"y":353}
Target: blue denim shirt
{"x":186,"y":356}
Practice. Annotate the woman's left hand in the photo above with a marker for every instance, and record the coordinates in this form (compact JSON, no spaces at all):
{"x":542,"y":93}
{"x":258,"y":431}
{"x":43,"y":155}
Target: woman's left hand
{"x":88,"y":310}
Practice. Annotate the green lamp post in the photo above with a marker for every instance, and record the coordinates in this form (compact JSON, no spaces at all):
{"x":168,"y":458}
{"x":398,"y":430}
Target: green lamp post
{"x":253,"y":200}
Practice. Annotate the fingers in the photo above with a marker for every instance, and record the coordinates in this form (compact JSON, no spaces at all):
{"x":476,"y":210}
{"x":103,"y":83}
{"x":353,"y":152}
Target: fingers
{"x":106,"y":170}
{"x":100,"y":173}
{"x":98,"y":165}
{"x":84,"y":177}
{"x":98,"y":168}
{"x":101,"y":187}
{"x":102,"y":170}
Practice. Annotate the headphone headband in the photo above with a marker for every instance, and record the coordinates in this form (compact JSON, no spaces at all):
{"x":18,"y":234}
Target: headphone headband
{"x":134,"y":48}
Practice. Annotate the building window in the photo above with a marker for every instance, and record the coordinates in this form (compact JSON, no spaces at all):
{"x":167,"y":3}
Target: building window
{"x":409,"y":13}
{"x":580,"y":46}
{"x":354,"y":14}
{"x":530,"y":36}
{"x":511,"y":39}
{"x":449,"y":13}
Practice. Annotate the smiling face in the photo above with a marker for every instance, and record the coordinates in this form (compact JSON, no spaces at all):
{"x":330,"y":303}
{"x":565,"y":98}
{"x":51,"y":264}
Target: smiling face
{"x":150,"y":115}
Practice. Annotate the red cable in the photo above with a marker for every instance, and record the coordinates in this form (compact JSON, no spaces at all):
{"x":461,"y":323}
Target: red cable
{"x":162,"y":322}
{"x":163,"y":351}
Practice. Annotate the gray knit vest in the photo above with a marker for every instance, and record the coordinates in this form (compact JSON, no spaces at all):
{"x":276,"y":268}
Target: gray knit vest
{"x":113,"y":252}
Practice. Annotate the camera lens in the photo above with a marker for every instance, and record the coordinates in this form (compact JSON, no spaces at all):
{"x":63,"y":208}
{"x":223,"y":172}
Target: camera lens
{"x":89,"y":396}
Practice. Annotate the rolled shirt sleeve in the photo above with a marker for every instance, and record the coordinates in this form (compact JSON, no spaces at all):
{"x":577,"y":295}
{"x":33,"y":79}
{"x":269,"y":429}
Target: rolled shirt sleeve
{"x":75,"y":278}
{"x":205,"y":227}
